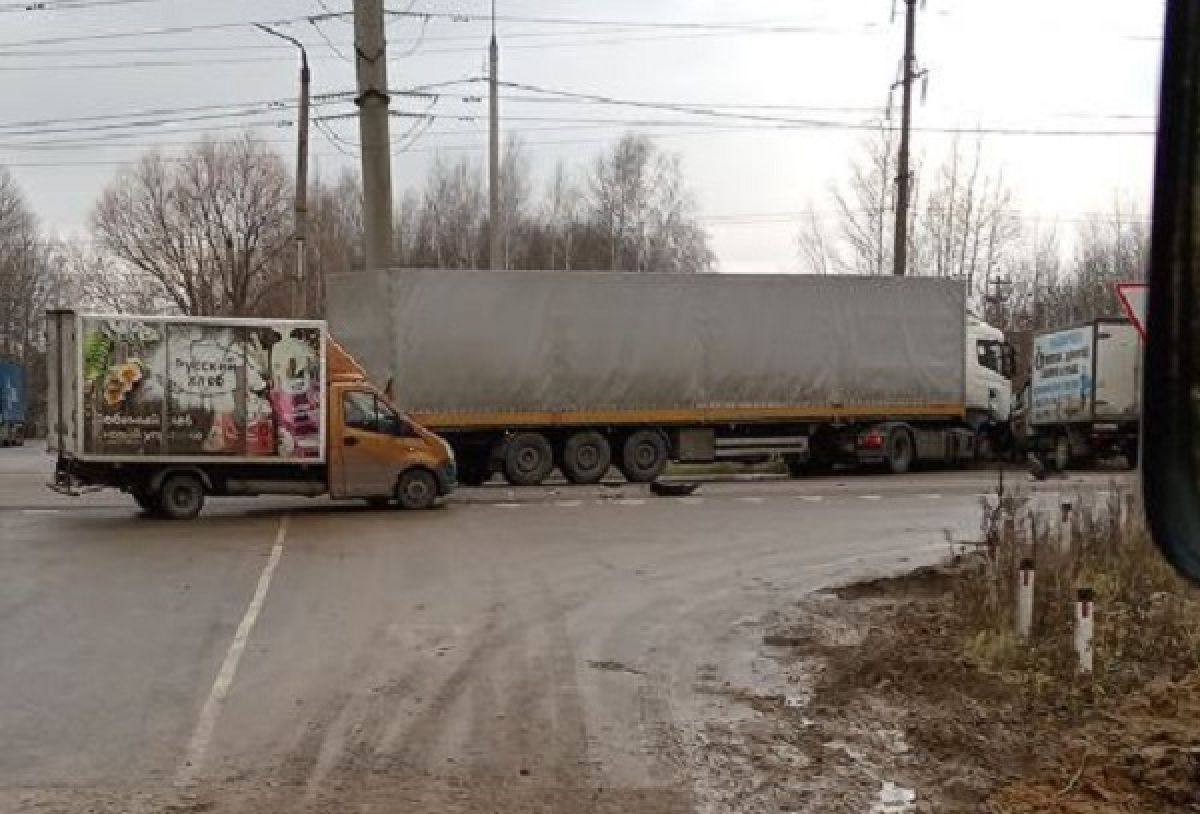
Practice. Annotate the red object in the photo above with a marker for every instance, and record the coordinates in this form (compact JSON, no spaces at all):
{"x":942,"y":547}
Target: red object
{"x":872,"y":440}
{"x":1129,"y":294}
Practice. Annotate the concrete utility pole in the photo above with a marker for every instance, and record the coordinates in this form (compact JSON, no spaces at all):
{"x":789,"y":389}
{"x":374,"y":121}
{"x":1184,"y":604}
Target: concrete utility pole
{"x":370,"y":62}
{"x":903,"y":174}
{"x":495,"y":249}
{"x":299,"y":305}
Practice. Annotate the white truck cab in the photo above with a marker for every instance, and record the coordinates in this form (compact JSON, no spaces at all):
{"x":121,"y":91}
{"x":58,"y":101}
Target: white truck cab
{"x":990,"y":366}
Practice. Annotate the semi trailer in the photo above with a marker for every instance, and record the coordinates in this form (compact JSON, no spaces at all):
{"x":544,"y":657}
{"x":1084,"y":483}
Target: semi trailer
{"x":13,"y":404}
{"x":526,"y":371}
{"x":172,"y":409}
{"x":1083,"y":400}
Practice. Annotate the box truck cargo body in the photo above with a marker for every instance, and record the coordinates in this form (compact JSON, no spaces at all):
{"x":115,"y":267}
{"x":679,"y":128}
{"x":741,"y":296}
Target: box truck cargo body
{"x":525,"y":370}
{"x":1084,"y":397}
{"x":170,"y":409}
{"x":13,"y":404}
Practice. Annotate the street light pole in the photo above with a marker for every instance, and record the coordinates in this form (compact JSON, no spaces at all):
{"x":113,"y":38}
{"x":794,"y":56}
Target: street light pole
{"x":299,"y":305}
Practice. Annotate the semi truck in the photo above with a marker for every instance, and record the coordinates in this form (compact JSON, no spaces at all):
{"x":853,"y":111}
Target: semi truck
{"x":13,"y":404}
{"x":526,"y":371}
{"x":1083,"y":400}
{"x":173,"y":409}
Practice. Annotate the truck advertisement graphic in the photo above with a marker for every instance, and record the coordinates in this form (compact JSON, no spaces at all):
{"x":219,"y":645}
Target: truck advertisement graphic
{"x":1062,"y":377}
{"x":199,"y":388}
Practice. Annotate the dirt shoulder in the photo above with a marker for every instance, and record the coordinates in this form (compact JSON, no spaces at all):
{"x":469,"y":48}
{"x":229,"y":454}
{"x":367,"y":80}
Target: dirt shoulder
{"x":893,"y":701}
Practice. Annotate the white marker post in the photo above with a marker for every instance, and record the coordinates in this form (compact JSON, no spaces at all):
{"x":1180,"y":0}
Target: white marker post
{"x":1025,"y":576}
{"x":1064,"y":527}
{"x":1085,"y":612}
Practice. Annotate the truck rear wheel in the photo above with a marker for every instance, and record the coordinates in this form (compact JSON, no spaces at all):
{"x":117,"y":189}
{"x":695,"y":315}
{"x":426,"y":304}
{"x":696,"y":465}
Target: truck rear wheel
{"x":900,"y":452}
{"x":416,"y":489}
{"x":643,"y":456}
{"x":528,"y":459}
{"x":181,"y":496}
{"x":586,"y":457}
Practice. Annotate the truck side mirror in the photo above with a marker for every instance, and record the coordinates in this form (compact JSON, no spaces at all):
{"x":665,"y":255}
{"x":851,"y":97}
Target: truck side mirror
{"x":1171,"y":387}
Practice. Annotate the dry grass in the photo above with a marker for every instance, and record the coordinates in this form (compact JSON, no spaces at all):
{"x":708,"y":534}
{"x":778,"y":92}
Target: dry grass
{"x":1145,"y":615}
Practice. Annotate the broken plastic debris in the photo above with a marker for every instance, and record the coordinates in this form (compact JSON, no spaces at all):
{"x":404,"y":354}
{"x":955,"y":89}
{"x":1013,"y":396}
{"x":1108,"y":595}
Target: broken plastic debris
{"x":894,"y":799}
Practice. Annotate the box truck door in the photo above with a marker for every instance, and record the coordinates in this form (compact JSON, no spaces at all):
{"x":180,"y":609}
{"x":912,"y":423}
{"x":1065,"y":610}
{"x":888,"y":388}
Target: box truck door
{"x":1118,"y":359}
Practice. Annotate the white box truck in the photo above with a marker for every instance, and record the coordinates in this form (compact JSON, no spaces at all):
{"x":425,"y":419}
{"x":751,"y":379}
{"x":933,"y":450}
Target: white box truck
{"x":523,"y":371}
{"x":1084,"y":396}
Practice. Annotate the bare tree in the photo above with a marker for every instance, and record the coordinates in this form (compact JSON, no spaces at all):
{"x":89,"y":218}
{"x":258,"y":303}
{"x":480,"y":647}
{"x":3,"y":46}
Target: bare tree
{"x":211,"y":229}
{"x":28,"y":274}
{"x":639,"y":204}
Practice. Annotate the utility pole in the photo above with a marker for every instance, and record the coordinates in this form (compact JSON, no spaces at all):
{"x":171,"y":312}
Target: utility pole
{"x":370,"y":63}
{"x":903,"y":174}
{"x":299,"y":286}
{"x":494,"y":247}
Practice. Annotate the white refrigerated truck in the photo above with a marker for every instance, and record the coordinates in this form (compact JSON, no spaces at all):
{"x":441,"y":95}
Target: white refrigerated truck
{"x":525,"y":371}
{"x":1084,"y":396}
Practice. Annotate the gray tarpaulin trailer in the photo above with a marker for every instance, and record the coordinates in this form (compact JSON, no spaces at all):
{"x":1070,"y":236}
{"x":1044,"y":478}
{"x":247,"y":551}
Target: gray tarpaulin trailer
{"x":525,"y":370}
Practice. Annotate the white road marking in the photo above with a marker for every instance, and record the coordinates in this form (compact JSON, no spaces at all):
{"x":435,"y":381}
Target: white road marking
{"x":752,"y":499}
{"x":207,"y":722}
{"x":870,"y":497}
{"x":40,"y":511}
{"x":932,"y":496}
{"x":812,"y":498}
{"x":568,"y":504}
{"x":507,"y":505}
{"x":631,"y":502}
{"x":691,"y":501}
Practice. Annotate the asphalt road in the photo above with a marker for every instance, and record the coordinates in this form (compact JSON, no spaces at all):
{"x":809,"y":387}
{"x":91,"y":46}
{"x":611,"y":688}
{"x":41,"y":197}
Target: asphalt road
{"x":545,"y":649}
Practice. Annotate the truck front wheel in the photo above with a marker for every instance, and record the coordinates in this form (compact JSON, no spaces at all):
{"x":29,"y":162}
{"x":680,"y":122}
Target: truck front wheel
{"x":586,"y":457}
{"x":528,"y":459}
{"x":416,"y":489}
{"x":643,"y":456}
{"x":181,"y":496}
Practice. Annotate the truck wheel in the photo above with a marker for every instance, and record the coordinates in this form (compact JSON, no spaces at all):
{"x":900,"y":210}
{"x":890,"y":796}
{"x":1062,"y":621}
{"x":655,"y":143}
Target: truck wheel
{"x":181,"y":497}
{"x":643,"y":456}
{"x":1061,"y":456}
{"x":416,"y":490}
{"x":528,"y":459}
{"x":586,"y":457}
{"x":900,"y":452}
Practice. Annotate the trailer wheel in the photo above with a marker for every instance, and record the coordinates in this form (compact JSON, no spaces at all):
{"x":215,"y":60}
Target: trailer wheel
{"x":643,"y":456}
{"x":416,"y":489}
{"x":528,"y":459}
{"x":586,"y":457}
{"x":900,"y":452}
{"x":181,"y":496}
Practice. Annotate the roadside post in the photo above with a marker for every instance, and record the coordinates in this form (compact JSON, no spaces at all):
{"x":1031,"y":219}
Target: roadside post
{"x":1085,"y":612}
{"x":1025,"y":579}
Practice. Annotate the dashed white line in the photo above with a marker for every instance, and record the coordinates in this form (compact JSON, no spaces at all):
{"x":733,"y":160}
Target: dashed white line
{"x":568,"y":504}
{"x":691,"y":501}
{"x":507,"y":505}
{"x":753,"y":499}
{"x":207,"y":722}
{"x":812,"y":498}
{"x":40,"y":511}
{"x":870,"y":497}
{"x":931,"y":496}
{"x":631,"y":502}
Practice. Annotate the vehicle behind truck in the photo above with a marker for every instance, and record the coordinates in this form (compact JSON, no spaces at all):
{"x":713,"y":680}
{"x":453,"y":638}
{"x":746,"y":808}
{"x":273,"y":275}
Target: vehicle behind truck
{"x":526,"y":371}
{"x":13,"y":404}
{"x":174,"y":409}
{"x":1084,"y":397}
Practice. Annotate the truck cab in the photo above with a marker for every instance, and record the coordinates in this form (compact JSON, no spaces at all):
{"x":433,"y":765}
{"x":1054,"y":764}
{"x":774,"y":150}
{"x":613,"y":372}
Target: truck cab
{"x":375,"y":451}
{"x":990,"y":365}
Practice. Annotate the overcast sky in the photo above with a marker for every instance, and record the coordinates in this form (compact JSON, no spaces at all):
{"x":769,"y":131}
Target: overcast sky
{"x":1070,"y":65}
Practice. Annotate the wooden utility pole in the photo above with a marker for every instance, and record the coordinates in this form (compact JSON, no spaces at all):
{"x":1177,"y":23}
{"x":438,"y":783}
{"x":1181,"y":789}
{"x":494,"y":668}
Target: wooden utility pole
{"x":495,"y":248}
{"x":903,"y":174}
{"x":370,"y":62}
